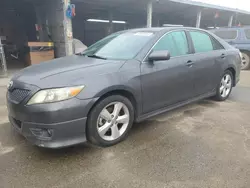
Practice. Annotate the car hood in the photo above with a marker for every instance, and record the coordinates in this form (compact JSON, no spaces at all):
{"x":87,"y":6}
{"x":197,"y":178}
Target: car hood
{"x":63,"y":71}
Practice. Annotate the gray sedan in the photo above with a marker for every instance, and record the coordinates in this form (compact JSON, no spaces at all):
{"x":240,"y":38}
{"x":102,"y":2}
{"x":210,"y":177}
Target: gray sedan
{"x":128,"y":76}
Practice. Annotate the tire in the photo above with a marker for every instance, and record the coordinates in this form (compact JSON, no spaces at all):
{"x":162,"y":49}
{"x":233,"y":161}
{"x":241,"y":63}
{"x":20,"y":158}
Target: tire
{"x":227,"y":88}
{"x":106,"y":126}
{"x":245,"y":64}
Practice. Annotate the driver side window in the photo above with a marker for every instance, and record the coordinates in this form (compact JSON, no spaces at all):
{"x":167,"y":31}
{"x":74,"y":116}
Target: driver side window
{"x":174,"y":42}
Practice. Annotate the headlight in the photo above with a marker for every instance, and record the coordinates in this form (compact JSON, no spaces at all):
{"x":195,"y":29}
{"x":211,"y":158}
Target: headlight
{"x":55,"y":95}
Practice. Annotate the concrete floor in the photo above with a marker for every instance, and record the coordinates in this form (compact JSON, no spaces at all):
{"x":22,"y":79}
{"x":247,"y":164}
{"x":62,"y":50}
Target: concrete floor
{"x":206,"y":144}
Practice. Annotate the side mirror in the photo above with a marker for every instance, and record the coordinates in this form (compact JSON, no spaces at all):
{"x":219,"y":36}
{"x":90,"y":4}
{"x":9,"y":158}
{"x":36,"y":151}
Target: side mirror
{"x":159,"y":56}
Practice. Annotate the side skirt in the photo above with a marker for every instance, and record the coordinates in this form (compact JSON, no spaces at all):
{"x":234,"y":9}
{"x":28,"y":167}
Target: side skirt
{"x":168,"y":108}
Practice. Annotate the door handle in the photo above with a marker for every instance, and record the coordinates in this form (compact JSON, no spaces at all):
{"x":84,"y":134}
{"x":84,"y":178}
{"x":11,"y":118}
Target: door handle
{"x":190,"y":63}
{"x":223,"y":56}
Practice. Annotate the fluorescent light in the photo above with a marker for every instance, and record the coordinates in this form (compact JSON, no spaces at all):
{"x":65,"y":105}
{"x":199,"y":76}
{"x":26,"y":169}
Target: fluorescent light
{"x":106,"y":21}
{"x":211,"y":27}
{"x":96,"y":20}
{"x":119,"y":22}
{"x":172,"y":25}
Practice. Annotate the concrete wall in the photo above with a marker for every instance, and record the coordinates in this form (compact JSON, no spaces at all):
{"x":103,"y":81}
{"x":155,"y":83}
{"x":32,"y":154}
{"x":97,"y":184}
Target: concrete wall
{"x":17,"y":22}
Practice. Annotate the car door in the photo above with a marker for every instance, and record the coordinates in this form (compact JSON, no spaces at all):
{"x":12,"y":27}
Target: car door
{"x":208,"y":59}
{"x":168,"y":82}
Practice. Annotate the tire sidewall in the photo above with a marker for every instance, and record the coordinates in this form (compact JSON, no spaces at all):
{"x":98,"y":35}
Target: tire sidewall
{"x":218,"y":95}
{"x":92,"y":132}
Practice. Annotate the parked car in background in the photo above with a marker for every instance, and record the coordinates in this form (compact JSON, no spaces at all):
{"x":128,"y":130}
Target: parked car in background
{"x":239,"y":37}
{"x":128,"y":76}
{"x":78,"y":46}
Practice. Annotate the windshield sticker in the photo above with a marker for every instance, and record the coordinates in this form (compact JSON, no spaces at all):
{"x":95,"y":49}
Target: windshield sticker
{"x":146,"y":34}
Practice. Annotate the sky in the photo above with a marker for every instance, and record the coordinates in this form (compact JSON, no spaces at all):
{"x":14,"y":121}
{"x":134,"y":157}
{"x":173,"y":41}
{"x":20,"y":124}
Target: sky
{"x":240,"y":4}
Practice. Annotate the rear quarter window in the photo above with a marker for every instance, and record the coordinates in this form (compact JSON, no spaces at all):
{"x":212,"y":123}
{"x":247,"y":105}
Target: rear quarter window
{"x":216,"y":44}
{"x":227,"y":34}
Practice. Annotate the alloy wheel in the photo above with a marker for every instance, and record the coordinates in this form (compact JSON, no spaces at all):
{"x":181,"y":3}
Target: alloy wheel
{"x":113,"y":121}
{"x":245,"y":61}
{"x":225,"y":85}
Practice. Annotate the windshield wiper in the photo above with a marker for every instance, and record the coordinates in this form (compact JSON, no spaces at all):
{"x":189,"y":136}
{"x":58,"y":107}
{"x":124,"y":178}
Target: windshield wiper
{"x":96,"y":56}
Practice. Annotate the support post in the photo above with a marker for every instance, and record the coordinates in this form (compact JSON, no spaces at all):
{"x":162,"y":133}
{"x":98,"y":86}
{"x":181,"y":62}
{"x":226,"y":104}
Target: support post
{"x":68,"y":31}
{"x":149,"y":13}
{"x":111,"y":28}
{"x":236,"y":19}
{"x":230,"y":22}
{"x":198,"y":20}
{"x":158,"y":22}
{"x":2,"y":61}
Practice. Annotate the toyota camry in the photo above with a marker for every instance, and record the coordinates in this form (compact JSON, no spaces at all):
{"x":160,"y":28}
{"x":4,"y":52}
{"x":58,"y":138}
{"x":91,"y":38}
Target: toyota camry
{"x":127,"y":77}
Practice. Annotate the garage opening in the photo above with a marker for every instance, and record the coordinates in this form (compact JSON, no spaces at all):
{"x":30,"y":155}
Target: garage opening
{"x":96,"y":19}
{"x":17,"y":27}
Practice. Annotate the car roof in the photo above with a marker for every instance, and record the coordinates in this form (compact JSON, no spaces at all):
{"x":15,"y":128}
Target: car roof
{"x":230,"y":28}
{"x":158,"y":29}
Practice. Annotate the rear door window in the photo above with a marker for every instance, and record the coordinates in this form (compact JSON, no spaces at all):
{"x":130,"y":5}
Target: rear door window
{"x":201,"y":41}
{"x":227,"y":34}
{"x":247,"y":33}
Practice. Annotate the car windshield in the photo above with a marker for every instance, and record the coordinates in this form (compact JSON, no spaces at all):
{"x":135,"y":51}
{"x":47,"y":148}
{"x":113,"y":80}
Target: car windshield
{"x":122,"y":46}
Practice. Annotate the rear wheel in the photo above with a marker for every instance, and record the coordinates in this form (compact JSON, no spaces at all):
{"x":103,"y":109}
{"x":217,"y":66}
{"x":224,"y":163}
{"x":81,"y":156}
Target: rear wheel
{"x":225,"y":86}
{"x":110,"y":121}
{"x":245,"y":63}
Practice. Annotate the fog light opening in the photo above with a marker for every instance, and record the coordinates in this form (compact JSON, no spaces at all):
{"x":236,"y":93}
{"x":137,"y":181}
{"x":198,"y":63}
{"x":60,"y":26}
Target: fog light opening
{"x":42,"y":133}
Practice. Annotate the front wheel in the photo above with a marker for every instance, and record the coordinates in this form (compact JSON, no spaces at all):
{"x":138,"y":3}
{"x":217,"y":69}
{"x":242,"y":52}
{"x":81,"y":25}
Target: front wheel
{"x":225,"y":86}
{"x":110,"y":121}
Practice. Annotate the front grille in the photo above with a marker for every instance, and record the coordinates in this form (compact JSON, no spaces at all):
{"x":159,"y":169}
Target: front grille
{"x":18,"y":95}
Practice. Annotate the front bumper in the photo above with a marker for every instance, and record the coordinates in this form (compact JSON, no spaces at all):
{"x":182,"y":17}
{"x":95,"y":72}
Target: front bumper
{"x":52,"y":135}
{"x":51,"y":125}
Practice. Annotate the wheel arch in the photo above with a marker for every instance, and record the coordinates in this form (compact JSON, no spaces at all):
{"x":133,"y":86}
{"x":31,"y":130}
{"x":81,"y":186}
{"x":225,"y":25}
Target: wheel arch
{"x":233,"y":71}
{"x":245,"y":50}
{"x":125,"y":92}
